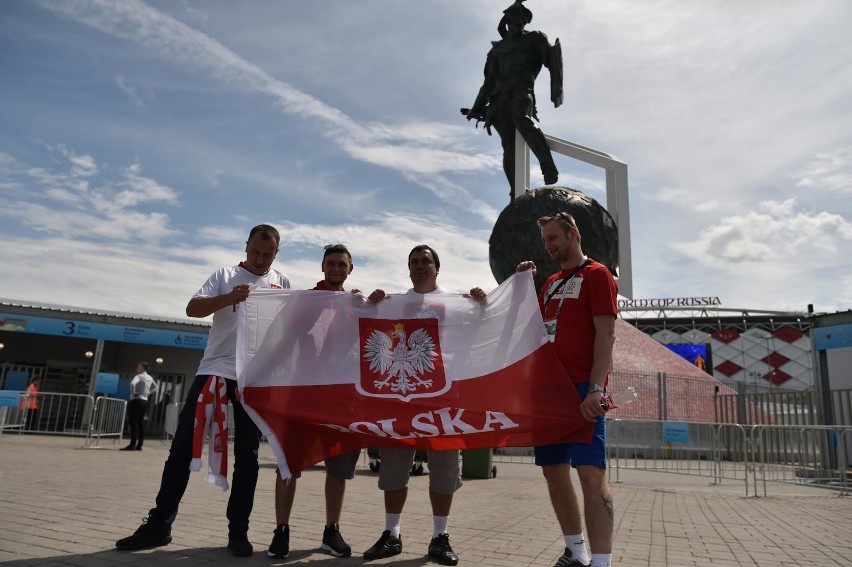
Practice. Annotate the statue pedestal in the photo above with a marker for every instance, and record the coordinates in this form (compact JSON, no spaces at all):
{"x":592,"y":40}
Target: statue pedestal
{"x":516,"y":236}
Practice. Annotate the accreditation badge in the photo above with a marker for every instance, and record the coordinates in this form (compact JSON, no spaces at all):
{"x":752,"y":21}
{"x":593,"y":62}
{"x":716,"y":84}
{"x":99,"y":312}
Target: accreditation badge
{"x":550,"y":329}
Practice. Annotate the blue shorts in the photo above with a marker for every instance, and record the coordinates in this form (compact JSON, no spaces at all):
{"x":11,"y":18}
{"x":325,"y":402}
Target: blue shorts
{"x":577,"y":454}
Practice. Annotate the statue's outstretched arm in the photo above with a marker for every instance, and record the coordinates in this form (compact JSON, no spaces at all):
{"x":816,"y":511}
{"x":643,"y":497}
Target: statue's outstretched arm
{"x":479,"y":110}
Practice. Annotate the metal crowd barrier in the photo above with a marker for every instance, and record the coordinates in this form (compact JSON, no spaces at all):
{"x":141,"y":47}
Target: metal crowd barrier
{"x":13,"y":417}
{"x":725,"y":452}
{"x":59,"y":414}
{"x":814,"y":455}
{"x":716,"y":450}
{"x":170,"y":419}
{"x":756,"y":455}
{"x":523,"y":455}
{"x":107,"y":420}
{"x":67,"y":414}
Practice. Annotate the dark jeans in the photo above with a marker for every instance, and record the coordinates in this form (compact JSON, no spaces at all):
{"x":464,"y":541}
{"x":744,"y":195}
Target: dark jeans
{"x":136,"y":420}
{"x":32,"y":422}
{"x":176,"y":470}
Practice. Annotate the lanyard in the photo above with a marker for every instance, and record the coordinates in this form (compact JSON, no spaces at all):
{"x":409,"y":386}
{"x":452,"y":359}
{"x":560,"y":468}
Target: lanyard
{"x":583,"y":263}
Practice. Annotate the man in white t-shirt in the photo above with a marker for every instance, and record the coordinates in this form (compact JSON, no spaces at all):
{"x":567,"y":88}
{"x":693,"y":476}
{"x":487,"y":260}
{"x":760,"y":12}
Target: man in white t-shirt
{"x":444,"y":477}
{"x":141,"y":387}
{"x":220,"y":296}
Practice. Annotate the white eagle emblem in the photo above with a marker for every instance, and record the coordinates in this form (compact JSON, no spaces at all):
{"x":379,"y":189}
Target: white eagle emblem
{"x":402,"y":364}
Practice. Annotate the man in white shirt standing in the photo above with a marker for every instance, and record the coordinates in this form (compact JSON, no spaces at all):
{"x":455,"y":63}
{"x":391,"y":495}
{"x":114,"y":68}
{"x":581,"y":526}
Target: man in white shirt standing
{"x":142,"y":386}
{"x":220,"y":296}
{"x":444,"y":477}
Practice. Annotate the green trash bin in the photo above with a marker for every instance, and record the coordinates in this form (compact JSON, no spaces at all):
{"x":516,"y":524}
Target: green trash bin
{"x":478,"y":463}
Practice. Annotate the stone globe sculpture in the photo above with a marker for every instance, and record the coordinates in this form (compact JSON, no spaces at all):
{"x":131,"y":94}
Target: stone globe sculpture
{"x":516,"y":237}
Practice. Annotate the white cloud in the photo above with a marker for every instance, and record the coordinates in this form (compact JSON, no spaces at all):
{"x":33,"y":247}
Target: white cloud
{"x":141,"y":189}
{"x":683,"y":199}
{"x":722,"y":111}
{"x":63,"y":195}
{"x":82,"y":165}
{"x":670,"y":195}
{"x":706,"y":96}
{"x":453,"y":192}
{"x":380,"y":247}
{"x":144,"y":278}
{"x":420,"y":146}
{"x":776,"y":257}
{"x":80,"y":203}
{"x":830,"y":170}
{"x":130,"y":90}
{"x":777,"y":233}
{"x":123,"y":277}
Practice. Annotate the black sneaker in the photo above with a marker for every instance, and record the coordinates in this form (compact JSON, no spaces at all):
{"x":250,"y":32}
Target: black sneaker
{"x":333,"y":542}
{"x":280,"y":546}
{"x":387,"y":546}
{"x":441,"y":551}
{"x":150,"y":534}
{"x":567,"y":560}
{"x":239,"y":545}
{"x":128,"y":448}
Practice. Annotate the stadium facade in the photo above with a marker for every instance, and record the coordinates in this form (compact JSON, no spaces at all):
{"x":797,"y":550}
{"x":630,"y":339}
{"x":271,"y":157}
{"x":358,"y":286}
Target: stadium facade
{"x":739,"y":347}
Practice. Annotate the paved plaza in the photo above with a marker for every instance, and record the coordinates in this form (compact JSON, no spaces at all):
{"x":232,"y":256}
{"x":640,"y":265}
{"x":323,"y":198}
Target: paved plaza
{"x":61,"y":504}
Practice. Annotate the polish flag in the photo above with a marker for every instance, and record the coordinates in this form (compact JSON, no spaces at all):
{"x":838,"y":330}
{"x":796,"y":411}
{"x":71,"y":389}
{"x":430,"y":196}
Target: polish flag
{"x":322,"y":373}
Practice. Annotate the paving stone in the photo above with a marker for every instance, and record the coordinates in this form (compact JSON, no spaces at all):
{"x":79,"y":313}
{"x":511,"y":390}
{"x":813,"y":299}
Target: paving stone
{"x":61,"y":504}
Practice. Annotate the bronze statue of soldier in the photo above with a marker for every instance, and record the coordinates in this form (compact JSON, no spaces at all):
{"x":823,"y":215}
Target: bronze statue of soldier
{"x":506,"y":99}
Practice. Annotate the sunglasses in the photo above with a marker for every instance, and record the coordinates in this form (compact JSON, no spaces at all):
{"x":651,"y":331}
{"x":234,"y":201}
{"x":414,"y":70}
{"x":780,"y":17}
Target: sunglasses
{"x":564,"y":217}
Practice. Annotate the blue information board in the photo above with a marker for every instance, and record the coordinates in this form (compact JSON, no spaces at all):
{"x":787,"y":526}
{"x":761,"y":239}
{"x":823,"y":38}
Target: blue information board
{"x":833,"y":336}
{"x":104,"y":331}
{"x":17,"y":380}
{"x":676,"y":432}
{"x":9,"y":399}
{"x":107,"y":383}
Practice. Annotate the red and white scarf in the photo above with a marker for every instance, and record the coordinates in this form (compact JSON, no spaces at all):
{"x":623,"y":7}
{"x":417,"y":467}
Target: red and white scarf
{"x":211,"y":421}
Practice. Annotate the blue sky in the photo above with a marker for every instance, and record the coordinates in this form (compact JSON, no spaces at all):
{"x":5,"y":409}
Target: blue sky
{"x":141,"y":140}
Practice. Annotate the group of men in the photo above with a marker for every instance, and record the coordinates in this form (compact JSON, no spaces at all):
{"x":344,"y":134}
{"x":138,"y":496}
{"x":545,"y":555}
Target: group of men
{"x":580,"y":301}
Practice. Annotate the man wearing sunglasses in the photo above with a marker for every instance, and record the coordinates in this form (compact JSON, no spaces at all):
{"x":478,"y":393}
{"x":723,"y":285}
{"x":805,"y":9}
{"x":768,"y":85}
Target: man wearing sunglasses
{"x":578,"y":305}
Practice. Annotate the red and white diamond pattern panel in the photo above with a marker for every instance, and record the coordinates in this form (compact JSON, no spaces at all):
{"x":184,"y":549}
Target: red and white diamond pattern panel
{"x":758,"y":356}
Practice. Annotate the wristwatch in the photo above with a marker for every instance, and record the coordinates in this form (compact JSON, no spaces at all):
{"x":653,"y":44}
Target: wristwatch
{"x":595,"y":388}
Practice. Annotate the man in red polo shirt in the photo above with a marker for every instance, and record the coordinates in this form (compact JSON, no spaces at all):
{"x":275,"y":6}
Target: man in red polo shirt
{"x":578,"y":305}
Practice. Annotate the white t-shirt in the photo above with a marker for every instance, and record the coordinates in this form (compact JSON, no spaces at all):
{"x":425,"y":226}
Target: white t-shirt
{"x":142,"y":386}
{"x":427,"y":312}
{"x":438,"y":289}
{"x":220,"y":354}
